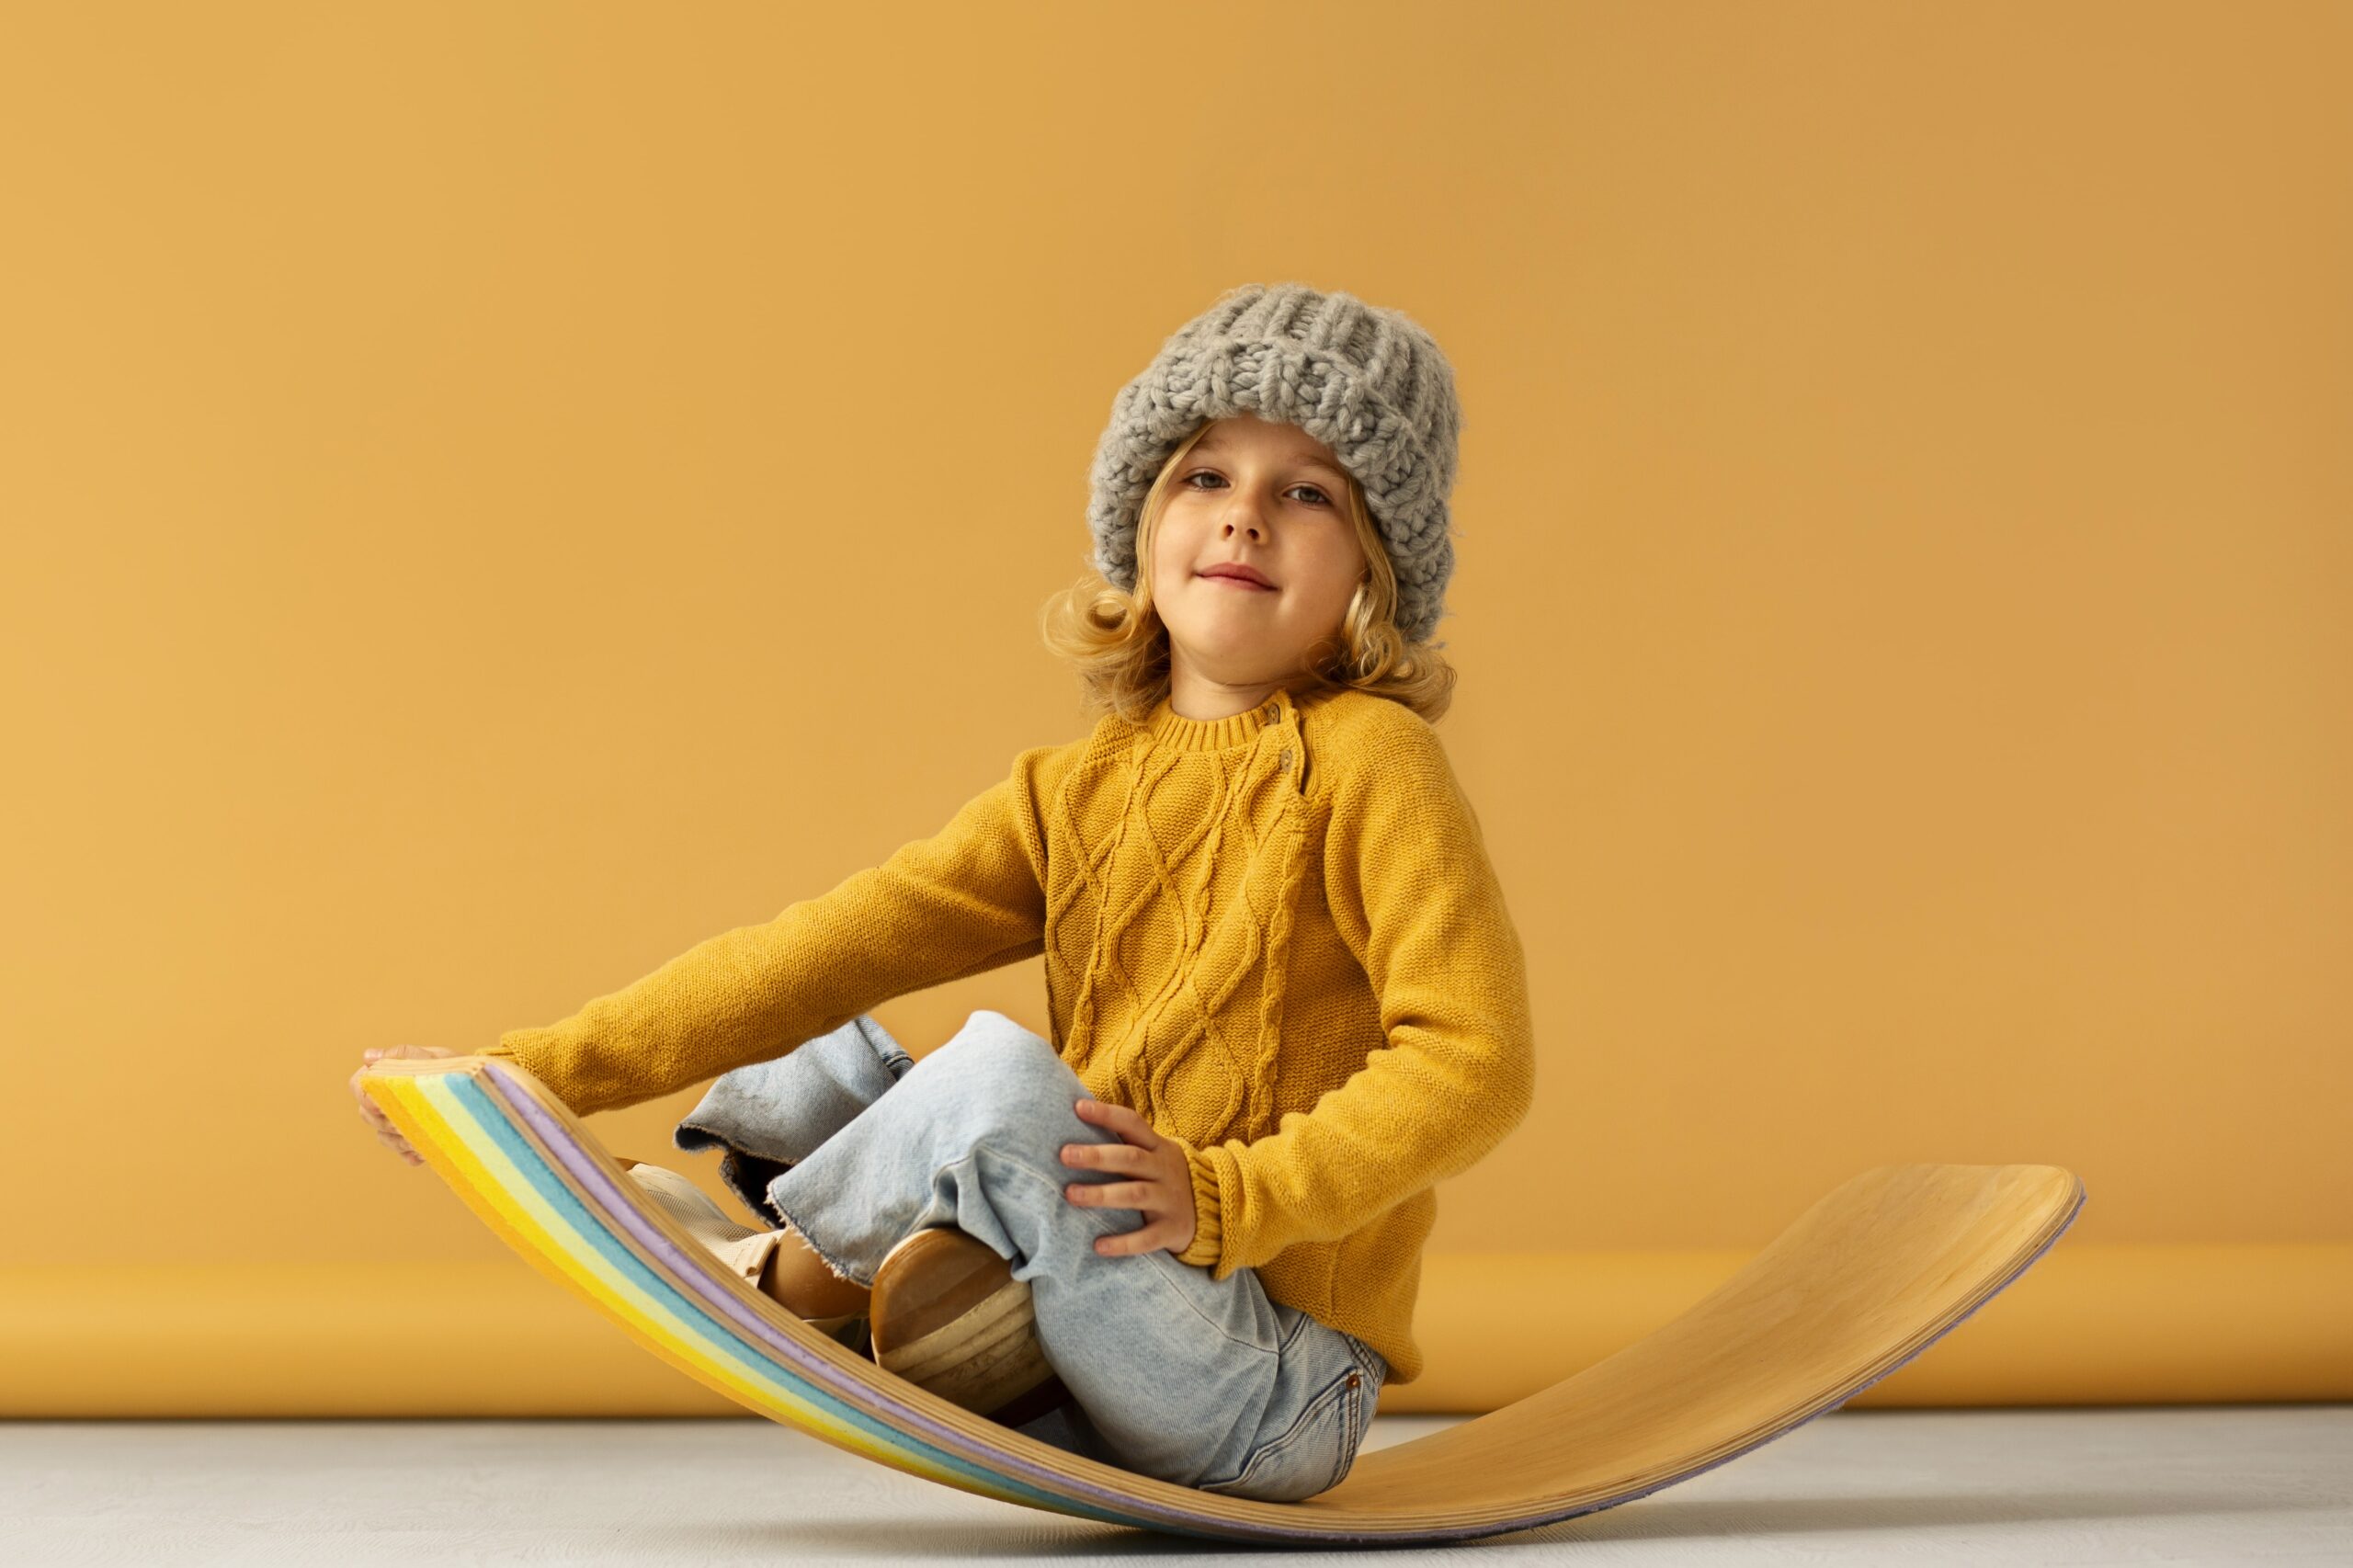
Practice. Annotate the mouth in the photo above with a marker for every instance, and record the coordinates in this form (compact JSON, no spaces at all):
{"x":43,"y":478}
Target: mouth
{"x":1234,"y":580}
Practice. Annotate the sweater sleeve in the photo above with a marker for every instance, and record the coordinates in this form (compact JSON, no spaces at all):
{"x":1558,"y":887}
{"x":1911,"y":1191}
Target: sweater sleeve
{"x":1417,"y":902}
{"x":967,"y":899}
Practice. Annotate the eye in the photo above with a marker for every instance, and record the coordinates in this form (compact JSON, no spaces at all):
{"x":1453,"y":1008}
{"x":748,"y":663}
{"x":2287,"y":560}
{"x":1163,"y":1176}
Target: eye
{"x":1315,"y":490}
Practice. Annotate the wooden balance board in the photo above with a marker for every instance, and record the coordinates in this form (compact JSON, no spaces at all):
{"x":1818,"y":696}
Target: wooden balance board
{"x":1866,"y":1278}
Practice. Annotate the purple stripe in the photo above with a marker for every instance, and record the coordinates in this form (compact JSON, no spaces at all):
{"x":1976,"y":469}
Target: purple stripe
{"x":621,"y":1212}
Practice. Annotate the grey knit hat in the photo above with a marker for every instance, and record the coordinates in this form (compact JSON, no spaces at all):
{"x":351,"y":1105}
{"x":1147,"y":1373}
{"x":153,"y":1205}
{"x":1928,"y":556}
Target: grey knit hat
{"x":1370,"y":383}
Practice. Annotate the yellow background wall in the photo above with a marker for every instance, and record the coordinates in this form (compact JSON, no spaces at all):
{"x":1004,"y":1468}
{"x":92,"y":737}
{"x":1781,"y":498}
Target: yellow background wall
{"x":495,"y":494}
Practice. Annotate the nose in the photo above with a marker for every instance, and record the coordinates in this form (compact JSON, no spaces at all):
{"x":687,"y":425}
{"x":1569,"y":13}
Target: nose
{"x":1244,"y":517}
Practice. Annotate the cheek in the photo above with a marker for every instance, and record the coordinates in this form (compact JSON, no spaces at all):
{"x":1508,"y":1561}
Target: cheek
{"x":1175,"y":546}
{"x":1336,"y":575}
{"x":1166,"y":576}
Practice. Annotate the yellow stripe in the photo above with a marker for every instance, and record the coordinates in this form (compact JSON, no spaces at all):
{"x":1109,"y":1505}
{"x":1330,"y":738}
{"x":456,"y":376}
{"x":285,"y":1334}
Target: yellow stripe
{"x":439,"y":1126}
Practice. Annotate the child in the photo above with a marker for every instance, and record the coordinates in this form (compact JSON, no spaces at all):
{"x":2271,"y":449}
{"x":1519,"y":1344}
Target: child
{"x":1284,"y":993}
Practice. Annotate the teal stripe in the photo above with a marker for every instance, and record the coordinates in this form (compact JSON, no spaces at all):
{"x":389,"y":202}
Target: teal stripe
{"x":470,"y":1107}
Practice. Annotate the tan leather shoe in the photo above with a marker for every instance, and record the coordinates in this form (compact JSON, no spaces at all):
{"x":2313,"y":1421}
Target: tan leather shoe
{"x":779,"y":1264}
{"x":949,"y":1316}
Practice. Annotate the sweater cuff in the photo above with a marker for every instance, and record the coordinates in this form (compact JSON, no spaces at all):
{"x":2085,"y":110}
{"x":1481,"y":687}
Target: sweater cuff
{"x":508,"y":1047}
{"x":1209,"y":1215}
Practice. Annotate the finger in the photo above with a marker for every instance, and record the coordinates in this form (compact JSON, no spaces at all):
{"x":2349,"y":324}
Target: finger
{"x":1122,"y":1120}
{"x":1150,"y":1238}
{"x":1105,"y":1156}
{"x":402,"y":1053}
{"x":1114,"y":1194}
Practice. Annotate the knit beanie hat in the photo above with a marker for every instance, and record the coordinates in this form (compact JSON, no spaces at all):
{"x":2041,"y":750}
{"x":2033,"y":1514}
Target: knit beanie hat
{"x":1369,"y":384}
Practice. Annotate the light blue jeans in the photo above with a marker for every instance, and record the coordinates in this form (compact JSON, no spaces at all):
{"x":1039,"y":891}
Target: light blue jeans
{"x":1173,"y":1374}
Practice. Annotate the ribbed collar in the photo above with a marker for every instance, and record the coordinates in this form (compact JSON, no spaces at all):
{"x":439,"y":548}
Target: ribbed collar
{"x":1171,"y":729}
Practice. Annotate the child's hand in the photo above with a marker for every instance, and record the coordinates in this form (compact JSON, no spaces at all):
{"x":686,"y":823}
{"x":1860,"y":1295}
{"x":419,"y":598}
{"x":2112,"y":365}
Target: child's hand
{"x":1163,"y":1188}
{"x":374,"y":1114}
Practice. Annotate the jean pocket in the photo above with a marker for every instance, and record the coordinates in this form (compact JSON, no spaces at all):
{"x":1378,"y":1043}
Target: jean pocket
{"x":1363,"y":1395}
{"x":1305,"y":1459}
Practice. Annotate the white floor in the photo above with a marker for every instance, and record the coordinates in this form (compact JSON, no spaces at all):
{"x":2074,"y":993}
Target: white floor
{"x":2177,"y":1484}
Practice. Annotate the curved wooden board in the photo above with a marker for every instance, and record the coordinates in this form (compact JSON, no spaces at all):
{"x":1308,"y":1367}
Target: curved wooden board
{"x":1863,"y":1281}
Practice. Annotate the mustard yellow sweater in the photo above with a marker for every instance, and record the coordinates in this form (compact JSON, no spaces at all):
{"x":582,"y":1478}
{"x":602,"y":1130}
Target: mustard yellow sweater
{"x":1277,"y":937}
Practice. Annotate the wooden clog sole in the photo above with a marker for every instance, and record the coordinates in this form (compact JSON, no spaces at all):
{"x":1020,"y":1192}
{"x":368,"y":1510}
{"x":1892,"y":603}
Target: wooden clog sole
{"x":949,"y":1316}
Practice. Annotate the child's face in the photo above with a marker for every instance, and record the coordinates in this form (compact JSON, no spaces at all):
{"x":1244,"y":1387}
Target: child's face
{"x":1269,"y":494}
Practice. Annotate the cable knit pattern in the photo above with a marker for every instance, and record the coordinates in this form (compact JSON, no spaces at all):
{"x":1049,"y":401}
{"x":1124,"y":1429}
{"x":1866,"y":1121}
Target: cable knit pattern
{"x":1277,"y":936}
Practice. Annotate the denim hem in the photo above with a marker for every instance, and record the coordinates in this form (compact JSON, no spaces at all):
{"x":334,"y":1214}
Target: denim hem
{"x":829,"y":1260}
